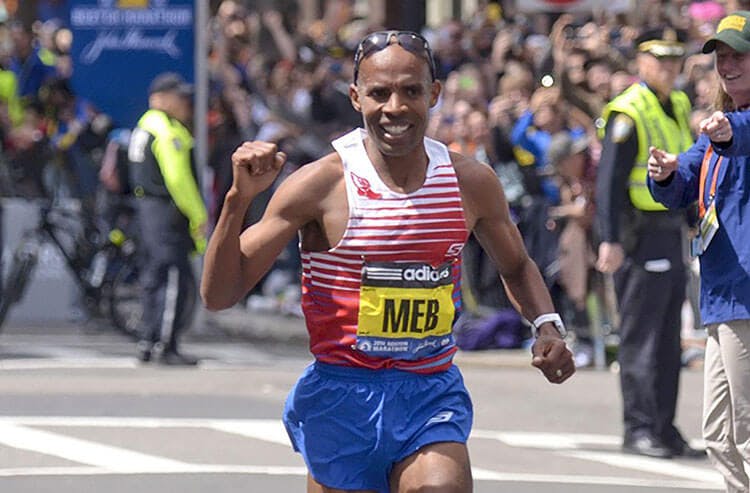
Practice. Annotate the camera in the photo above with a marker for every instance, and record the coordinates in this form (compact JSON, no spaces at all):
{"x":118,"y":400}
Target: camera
{"x":570,"y":32}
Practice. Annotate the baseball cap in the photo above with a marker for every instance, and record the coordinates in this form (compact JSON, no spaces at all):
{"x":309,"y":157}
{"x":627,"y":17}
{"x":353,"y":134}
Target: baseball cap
{"x":170,"y":82}
{"x":734,"y":30}
{"x":663,"y":41}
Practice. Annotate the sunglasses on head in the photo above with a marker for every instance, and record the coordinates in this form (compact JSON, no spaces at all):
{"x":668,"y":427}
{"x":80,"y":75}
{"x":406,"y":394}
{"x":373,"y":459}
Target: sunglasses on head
{"x":408,"y":40}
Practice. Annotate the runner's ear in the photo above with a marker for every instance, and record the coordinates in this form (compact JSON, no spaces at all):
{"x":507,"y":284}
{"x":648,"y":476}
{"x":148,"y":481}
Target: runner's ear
{"x":354,"y":98}
{"x":435,"y":92}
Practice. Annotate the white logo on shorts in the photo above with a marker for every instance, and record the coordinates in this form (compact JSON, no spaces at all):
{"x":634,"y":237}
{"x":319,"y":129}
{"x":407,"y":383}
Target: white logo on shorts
{"x":441,"y":417}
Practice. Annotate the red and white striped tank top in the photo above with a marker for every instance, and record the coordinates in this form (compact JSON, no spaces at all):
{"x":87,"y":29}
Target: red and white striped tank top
{"x":424,"y":230}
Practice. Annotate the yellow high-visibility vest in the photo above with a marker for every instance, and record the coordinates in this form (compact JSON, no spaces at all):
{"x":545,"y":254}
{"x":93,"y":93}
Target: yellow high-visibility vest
{"x":653,"y":128}
{"x":9,"y":96}
{"x":172,"y":148}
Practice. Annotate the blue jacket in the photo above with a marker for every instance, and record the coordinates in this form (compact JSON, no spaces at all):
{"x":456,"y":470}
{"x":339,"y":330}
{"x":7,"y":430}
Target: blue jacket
{"x":725,"y":265}
{"x":32,"y":73}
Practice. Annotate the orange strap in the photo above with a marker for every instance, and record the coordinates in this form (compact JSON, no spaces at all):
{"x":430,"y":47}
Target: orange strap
{"x":702,"y":184}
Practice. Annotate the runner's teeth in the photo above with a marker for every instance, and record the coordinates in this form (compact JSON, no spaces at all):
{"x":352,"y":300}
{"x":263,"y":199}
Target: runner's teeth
{"x":396,"y":129}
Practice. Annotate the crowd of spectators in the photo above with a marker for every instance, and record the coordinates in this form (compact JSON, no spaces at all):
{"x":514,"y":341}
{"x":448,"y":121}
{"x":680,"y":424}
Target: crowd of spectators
{"x":522,"y":92}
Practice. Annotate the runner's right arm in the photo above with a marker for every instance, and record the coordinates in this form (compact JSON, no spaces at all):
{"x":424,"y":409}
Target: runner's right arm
{"x":236,"y":260}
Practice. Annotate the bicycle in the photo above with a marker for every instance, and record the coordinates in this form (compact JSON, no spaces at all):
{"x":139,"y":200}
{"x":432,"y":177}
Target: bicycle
{"x":104,"y":266}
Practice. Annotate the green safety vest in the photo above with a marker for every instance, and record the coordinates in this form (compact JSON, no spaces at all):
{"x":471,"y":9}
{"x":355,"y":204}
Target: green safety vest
{"x":9,"y":96}
{"x":172,"y":147}
{"x":654,"y":128}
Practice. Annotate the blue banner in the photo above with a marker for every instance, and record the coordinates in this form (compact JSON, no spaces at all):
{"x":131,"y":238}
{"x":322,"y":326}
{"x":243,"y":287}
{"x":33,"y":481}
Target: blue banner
{"x":120,"y":45}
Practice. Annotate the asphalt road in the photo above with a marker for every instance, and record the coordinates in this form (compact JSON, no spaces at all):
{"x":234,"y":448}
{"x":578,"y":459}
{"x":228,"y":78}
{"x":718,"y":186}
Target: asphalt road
{"x":79,"y":414}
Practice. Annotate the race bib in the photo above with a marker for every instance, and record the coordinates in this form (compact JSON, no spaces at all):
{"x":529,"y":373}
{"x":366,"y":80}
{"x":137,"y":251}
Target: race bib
{"x":406,"y":310}
{"x":707,"y":229}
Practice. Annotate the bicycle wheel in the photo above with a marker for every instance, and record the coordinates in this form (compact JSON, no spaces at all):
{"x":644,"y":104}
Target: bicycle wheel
{"x":24,"y":260}
{"x":124,"y":300}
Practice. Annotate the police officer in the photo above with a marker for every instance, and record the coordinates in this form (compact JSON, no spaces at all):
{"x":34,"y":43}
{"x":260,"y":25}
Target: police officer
{"x":171,"y":214}
{"x":642,"y":244}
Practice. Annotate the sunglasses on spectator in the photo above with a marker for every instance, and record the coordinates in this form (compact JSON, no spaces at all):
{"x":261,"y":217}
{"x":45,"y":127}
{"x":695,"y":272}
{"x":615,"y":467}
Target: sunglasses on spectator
{"x":380,"y":40}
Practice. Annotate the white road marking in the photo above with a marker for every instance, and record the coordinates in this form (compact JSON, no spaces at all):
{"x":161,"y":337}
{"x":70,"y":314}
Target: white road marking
{"x":51,"y":471}
{"x":18,"y":432}
{"x":478,"y":474}
{"x":570,"y":445}
{"x":646,"y":464}
{"x":62,"y":363}
{"x":486,"y":475}
{"x":532,"y":439}
{"x":140,"y":422}
{"x":187,"y":469}
{"x":83,"y":451}
{"x":548,"y":441}
{"x":268,"y":430}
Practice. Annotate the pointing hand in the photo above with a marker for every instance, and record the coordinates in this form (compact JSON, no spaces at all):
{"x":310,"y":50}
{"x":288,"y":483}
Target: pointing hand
{"x":717,"y":127}
{"x":661,"y":164}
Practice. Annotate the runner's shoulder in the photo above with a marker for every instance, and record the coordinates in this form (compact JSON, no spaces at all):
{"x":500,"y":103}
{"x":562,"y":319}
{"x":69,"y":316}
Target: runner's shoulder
{"x":470,"y":172}
{"x":312,"y":183}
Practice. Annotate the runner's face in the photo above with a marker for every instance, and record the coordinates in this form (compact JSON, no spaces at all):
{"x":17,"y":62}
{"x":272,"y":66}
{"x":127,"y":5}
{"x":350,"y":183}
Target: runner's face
{"x":394,"y":93}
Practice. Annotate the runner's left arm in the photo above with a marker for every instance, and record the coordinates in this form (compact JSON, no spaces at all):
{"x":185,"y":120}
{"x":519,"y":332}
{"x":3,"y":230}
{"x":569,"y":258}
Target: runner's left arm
{"x":488,"y":216}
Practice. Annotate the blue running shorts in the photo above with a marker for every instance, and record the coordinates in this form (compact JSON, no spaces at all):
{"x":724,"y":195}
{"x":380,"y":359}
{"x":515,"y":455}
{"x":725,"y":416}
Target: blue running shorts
{"x":351,"y":425}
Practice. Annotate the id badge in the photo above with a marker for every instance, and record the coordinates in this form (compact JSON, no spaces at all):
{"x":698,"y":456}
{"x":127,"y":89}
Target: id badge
{"x":707,"y":229}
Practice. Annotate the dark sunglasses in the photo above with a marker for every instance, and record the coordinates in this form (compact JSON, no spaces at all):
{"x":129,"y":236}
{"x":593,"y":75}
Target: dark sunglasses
{"x":408,"y":40}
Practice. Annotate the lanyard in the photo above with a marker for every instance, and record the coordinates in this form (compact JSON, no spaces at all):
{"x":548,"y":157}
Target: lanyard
{"x":702,"y":184}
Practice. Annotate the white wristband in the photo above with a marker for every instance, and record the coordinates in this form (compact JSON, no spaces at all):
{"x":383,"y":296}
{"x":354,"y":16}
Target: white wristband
{"x":549,"y":317}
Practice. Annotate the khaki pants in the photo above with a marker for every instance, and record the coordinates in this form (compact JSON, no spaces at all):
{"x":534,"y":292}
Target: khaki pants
{"x":726,"y":402}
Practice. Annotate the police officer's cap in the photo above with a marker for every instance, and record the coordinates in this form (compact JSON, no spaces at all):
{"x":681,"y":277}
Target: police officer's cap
{"x":170,"y":82}
{"x":733,"y":30}
{"x":663,"y":41}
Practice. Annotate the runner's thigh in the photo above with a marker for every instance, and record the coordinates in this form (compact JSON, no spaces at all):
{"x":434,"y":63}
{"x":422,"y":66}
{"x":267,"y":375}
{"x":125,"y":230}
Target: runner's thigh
{"x":439,"y":468}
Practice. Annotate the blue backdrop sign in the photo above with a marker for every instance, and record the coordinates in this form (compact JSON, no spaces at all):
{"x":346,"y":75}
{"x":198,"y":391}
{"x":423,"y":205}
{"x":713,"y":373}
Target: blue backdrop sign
{"x":120,"y":45}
